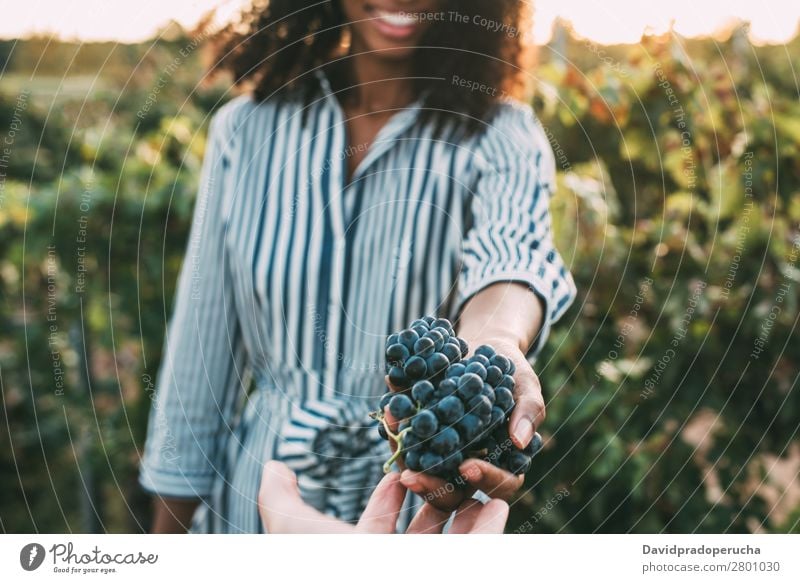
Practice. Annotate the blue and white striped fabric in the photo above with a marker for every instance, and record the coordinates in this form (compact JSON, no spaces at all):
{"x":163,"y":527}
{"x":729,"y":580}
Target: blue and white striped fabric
{"x":294,"y":275}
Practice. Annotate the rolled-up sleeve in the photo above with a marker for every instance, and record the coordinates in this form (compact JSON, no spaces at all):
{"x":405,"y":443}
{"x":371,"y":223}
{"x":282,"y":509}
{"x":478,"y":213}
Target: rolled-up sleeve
{"x":509,"y":237}
{"x":202,"y":370}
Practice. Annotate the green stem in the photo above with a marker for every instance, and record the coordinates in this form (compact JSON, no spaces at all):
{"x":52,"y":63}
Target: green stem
{"x":387,"y":467}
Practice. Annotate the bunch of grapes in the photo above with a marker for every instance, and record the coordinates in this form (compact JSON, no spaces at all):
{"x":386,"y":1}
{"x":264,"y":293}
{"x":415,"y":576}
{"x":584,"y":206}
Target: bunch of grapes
{"x":456,"y":408}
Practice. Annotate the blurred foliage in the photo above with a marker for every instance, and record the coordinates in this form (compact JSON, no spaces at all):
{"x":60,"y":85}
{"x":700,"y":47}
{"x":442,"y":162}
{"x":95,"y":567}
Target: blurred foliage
{"x":670,"y":408}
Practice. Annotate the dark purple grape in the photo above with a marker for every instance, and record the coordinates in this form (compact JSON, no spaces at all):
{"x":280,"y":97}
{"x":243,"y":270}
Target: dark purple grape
{"x":485,"y":350}
{"x":401,"y":407}
{"x":397,"y":353}
{"x":501,"y":362}
{"x":464,"y":347}
{"x":449,"y":410}
{"x":478,"y":369}
{"x":507,"y":382}
{"x":488,"y":392}
{"x":430,"y":462}
{"x":480,"y":406}
{"x":392,"y":339}
{"x":429,"y":320}
{"x":517,"y":462}
{"x":452,"y":352}
{"x":452,"y":462}
{"x":437,"y":363}
{"x":424,"y":424}
{"x":411,"y":441}
{"x":382,"y":431}
{"x":469,"y":385}
{"x":438,"y":339}
{"x":412,"y":461}
{"x":445,"y":442}
{"x":385,"y":398}
{"x":479,"y":358}
{"x":422,"y":392}
{"x":446,"y":388}
{"x":408,"y":338}
{"x":504,"y":399}
{"x":493,"y":375}
{"x":455,"y":370}
{"x":416,"y":368}
{"x":397,"y":377}
{"x":469,"y":427}
{"x":535,"y":445}
{"x":424,"y":347}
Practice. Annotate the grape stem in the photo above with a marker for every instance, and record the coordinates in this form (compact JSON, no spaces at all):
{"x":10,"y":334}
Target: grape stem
{"x":398,"y":438}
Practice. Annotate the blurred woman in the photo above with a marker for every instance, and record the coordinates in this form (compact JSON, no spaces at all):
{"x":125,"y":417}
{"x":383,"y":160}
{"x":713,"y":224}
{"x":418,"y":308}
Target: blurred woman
{"x":379,"y":166}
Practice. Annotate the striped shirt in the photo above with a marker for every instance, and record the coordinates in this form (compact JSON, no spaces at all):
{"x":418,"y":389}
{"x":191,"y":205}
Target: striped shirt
{"x":294,"y":275}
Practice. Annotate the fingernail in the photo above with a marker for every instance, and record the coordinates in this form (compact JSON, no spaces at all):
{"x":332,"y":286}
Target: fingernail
{"x":523,"y":432}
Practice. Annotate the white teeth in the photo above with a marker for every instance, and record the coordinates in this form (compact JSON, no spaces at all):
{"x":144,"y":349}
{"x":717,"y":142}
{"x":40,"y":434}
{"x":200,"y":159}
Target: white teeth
{"x":396,"y":18}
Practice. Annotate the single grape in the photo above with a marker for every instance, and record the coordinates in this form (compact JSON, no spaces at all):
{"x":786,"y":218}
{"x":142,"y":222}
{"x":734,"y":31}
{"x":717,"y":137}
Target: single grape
{"x":469,"y":385}
{"x":485,"y":350}
{"x":397,"y":377}
{"x":401,"y":407}
{"x":452,"y":352}
{"x":464,"y":347}
{"x":420,"y":330}
{"x":507,"y":382}
{"x":517,"y":462}
{"x":481,"y":359}
{"x":385,"y":398}
{"x":429,"y":320}
{"x":450,"y":409}
{"x":408,"y":338}
{"x":382,"y":431}
{"x":478,"y":369}
{"x":498,"y":416}
{"x":452,"y":462}
{"x":430,"y":462}
{"x":446,"y":441}
{"x":480,"y":406}
{"x":419,"y":322}
{"x":416,"y":368}
{"x":455,"y":370}
{"x":446,"y":388}
{"x":392,"y":339}
{"x":535,"y":445}
{"x":422,"y":392}
{"x":501,"y":362}
{"x":411,"y":441}
{"x":493,"y":375}
{"x":469,"y":427}
{"x":438,"y":339}
{"x":397,"y":353}
{"x":443,"y":323}
{"x":412,"y":461}
{"x":504,"y":399}
{"x":488,"y":392}
{"x":424,"y":347}
{"x":424,"y":424}
{"x":437,"y":363}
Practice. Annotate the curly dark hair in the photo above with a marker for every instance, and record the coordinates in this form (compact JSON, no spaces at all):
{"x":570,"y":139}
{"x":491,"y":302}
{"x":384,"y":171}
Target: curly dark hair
{"x":279,"y":42}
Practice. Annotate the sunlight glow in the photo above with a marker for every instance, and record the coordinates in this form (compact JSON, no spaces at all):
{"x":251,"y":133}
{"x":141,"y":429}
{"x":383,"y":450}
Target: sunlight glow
{"x":603,"y":21}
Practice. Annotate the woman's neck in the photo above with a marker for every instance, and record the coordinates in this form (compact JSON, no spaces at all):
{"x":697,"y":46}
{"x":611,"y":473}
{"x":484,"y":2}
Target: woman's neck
{"x":379,"y":84}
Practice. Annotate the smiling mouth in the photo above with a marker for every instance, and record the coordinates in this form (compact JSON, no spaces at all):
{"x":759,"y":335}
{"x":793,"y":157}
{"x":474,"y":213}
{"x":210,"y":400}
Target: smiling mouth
{"x":394,"y":24}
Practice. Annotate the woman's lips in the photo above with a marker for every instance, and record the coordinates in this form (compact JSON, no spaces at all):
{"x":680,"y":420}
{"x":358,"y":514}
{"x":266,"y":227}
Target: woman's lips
{"x":397,"y":25}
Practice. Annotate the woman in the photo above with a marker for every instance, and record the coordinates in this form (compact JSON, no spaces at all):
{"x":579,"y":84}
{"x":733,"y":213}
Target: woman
{"x":378,"y":169}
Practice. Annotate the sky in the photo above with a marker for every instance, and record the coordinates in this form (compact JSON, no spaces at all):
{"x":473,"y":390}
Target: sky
{"x":603,"y":21}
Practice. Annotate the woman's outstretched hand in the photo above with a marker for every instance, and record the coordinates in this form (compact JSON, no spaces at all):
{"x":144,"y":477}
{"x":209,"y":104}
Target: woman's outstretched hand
{"x":479,"y":474}
{"x":283,"y":511}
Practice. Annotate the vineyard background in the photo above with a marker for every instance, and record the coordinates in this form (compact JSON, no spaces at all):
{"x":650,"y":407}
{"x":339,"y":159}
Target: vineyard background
{"x":672,"y":384}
